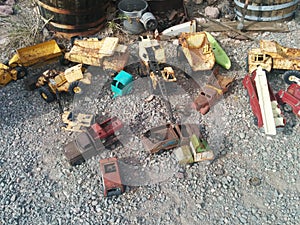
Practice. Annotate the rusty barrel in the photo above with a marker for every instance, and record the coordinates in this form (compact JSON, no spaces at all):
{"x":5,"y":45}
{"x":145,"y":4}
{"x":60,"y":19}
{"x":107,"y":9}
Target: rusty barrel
{"x":69,"y":18}
{"x":267,"y":10}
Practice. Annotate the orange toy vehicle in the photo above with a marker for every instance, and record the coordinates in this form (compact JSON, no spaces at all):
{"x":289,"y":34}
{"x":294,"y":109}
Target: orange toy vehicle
{"x":111,"y":178}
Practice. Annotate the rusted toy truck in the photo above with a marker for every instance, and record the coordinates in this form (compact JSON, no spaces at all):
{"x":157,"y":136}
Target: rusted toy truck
{"x":107,"y":53}
{"x":290,"y":99}
{"x":97,"y":137}
{"x":212,"y":91}
{"x":169,"y":136}
{"x":263,"y":102}
{"x":52,"y":81}
{"x":28,"y":56}
{"x":111,"y":178}
{"x":271,"y":55}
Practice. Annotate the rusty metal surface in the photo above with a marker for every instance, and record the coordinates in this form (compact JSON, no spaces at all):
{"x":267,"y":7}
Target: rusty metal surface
{"x":197,"y":50}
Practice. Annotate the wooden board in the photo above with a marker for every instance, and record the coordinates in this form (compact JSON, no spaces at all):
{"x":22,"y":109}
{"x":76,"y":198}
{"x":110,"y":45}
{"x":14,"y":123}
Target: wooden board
{"x":249,"y":26}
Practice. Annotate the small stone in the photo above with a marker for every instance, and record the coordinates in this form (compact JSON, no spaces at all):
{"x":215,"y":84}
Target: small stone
{"x":212,"y":12}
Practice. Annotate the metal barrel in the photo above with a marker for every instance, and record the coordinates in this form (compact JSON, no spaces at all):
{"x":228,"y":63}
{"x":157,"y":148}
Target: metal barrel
{"x":69,"y":18}
{"x":267,"y":10}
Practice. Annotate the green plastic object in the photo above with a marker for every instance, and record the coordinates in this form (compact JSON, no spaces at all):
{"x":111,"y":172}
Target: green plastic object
{"x":199,"y":146}
{"x":122,"y":84}
{"x":221,"y":57}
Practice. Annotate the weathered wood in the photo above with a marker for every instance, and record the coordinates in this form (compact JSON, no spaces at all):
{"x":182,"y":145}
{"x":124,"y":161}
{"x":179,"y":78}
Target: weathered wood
{"x":248,"y":26}
{"x":228,"y":27}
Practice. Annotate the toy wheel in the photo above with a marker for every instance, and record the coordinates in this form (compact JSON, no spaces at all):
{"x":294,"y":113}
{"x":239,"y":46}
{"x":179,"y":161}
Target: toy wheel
{"x":21,"y":72}
{"x":46,"y":94}
{"x":255,"y":121}
{"x":287,"y":108}
{"x":74,"y":88}
{"x":292,"y":76}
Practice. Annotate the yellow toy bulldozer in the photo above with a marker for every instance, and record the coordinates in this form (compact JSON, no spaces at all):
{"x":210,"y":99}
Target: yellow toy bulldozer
{"x":28,"y":56}
{"x":52,"y":82}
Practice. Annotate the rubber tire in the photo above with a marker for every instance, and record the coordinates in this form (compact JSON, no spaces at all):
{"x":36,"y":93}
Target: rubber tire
{"x":45,"y":92}
{"x":72,"y":86}
{"x":21,"y":72}
{"x":290,"y":73}
{"x":287,"y":108}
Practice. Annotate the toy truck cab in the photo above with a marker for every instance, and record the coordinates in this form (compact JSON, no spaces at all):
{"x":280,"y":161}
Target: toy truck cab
{"x":122,"y":84}
{"x":111,"y":178}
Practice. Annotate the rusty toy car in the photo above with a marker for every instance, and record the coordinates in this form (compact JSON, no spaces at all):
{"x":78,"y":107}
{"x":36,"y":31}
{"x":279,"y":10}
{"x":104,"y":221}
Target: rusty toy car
{"x":111,"y":178}
{"x":97,"y":137}
{"x":169,"y":136}
{"x":213,"y":90}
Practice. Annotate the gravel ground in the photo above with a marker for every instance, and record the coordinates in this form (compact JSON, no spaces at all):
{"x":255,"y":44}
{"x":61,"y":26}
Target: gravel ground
{"x":253,"y":180}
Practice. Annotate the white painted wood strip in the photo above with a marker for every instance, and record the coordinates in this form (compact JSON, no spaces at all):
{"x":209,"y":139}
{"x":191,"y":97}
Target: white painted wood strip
{"x":265,"y":102}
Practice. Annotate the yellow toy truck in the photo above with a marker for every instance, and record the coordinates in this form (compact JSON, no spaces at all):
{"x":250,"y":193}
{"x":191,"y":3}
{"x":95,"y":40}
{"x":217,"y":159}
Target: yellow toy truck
{"x":28,"y":56}
{"x":271,"y":55}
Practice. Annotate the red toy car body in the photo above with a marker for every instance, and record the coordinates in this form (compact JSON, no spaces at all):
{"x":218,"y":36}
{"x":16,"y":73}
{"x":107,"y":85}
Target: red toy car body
{"x":111,"y":178}
{"x":290,"y":97}
{"x":249,"y":84}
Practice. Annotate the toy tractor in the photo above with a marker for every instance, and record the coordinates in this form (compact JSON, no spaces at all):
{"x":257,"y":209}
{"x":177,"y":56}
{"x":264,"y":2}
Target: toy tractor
{"x":52,"y":82}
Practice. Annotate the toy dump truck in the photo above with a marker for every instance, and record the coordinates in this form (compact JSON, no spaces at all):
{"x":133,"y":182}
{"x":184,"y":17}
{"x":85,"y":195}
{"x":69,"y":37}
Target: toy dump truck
{"x":107,"y":53}
{"x":197,"y":50}
{"x":263,"y":101}
{"x":111,"y":178}
{"x":290,"y":99}
{"x":271,"y":55}
{"x":97,"y":137}
{"x":52,"y":81}
{"x":28,"y":56}
{"x":169,"y":136}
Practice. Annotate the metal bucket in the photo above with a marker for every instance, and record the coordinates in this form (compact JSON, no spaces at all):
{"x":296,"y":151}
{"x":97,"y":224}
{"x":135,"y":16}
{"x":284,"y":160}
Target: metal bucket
{"x":133,"y":9}
{"x":69,"y":18}
{"x":267,"y":10}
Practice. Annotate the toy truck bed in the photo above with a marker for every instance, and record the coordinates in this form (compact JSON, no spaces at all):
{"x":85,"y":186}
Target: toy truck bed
{"x":35,"y":54}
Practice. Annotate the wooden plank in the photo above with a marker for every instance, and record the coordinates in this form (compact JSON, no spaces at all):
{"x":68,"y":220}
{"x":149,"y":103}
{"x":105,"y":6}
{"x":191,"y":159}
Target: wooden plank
{"x":265,"y":101}
{"x":248,"y":26}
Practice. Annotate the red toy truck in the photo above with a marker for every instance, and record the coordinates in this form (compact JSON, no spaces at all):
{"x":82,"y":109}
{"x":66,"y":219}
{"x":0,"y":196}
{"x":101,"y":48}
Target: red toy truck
{"x":96,"y":138}
{"x":111,"y":178}
{"x":290,"y":97}
{"x":269,"y":118}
